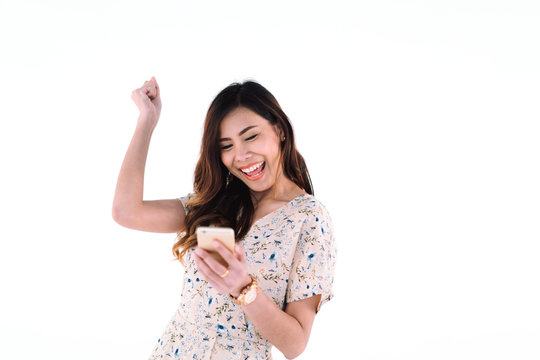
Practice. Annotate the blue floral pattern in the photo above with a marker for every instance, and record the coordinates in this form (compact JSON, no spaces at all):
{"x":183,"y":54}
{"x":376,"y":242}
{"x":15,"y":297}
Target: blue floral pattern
{"x":291,"y":252}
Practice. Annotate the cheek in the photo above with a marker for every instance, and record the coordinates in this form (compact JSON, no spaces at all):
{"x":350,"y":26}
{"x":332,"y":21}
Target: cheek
{"x":223,"y":159}
{"x":269,"y":147}
{"x":226,"y":159}
{"x":272,"y":150}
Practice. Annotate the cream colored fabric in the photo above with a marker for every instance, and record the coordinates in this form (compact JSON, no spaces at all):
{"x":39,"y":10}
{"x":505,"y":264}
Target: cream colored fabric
{"x":291,"y":252}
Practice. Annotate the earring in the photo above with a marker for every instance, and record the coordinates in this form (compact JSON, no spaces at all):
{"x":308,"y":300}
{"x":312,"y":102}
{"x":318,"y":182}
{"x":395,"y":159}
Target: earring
{"x":283,"y":138}
{"x":228,"y":179}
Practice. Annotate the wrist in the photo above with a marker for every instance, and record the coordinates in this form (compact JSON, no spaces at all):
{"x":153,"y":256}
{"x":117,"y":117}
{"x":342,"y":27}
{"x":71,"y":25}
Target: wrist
{"x":246,"y":282}
{"x":147,"y":121}
{"x":248,"y":293}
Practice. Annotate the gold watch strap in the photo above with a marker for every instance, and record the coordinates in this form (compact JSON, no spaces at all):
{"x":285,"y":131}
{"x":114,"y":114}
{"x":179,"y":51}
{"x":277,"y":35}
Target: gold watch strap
{"x":240,"y":300}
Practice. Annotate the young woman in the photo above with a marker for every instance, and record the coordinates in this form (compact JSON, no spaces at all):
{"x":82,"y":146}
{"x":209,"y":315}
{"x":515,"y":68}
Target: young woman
{"x":249,"y":177}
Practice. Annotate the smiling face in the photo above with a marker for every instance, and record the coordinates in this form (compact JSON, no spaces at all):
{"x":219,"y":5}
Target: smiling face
{"x":250,"y":149}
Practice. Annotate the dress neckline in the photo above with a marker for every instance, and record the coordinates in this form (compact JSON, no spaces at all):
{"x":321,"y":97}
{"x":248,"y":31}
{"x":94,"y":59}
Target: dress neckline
{"x":281,"y":208}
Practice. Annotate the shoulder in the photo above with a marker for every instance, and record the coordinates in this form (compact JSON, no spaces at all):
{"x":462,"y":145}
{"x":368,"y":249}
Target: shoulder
{"x":312,"y":209}
{"x":313,"y":217}
{"x":316,"y":243}
{"x":185,"y":200}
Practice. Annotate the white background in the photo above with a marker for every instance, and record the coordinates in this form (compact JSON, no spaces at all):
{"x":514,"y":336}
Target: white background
{"x":419,"y":122}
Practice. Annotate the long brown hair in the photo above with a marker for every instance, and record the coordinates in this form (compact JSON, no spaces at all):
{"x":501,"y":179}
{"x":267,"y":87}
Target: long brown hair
{"x":224,"y":200}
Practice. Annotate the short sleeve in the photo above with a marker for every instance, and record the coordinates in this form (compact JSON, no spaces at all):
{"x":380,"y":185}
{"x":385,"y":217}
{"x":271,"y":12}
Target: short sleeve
{"x":312,"y":269}
{"x":184,"y":200}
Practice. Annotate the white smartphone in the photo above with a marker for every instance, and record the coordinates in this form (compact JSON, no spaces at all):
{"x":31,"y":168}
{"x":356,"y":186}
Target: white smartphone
{"x":207,"y":235}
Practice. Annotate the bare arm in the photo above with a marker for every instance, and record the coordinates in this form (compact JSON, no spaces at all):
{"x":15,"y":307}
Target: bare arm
{"x":129,"y":209}
{"x":287,"y":330}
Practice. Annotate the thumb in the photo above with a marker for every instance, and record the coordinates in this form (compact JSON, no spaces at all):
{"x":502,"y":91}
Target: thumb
{"x":240,"y":252}
{"x":156,"y":85}
{"x":144,"y":96}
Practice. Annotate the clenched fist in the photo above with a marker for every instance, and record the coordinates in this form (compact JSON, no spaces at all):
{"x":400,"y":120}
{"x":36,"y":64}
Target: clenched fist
{"x":148,"y":100}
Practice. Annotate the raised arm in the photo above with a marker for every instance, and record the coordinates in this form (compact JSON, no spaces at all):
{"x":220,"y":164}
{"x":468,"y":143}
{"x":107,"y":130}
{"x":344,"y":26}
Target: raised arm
{"x":129,"y":209}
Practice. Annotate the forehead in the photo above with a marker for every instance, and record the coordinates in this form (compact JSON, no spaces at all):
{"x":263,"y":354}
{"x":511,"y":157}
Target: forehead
{"x":240,"y":118}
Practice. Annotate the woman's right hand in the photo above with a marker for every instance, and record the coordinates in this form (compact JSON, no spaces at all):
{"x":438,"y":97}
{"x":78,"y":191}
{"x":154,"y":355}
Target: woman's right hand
{"x":148,"y":100}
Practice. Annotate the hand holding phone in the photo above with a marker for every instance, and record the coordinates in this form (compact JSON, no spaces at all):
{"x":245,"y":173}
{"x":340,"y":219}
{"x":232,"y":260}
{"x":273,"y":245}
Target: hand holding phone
{"x":207,"y":235}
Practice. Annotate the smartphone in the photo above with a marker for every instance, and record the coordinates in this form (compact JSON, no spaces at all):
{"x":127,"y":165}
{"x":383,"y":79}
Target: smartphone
{"x":207,"y":235}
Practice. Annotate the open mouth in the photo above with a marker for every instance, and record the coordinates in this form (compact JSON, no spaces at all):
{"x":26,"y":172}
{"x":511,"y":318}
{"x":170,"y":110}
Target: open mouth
{"x":254,"y":172}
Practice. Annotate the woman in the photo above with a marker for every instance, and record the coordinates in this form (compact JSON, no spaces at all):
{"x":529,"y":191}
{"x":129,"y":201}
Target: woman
{"x":249,"y":177}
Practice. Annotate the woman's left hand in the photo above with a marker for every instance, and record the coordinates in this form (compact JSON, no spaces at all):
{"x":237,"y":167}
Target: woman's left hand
{"x":236,"y":278}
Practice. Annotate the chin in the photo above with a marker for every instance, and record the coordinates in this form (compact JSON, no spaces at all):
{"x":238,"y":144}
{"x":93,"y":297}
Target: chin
{"x":258,"y":187}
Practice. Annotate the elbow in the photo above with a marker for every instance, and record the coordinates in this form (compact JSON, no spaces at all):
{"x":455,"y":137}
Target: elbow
{"x":293,"y":355}
{"x":116,"y":214}
{"x":119,"y":216}
{"x":296,"y":351}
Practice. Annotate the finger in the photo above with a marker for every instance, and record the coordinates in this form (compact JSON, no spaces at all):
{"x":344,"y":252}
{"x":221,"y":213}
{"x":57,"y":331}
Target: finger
{"x":208,"y":273}
{"x":149,"y":84}
{"x":151,"y":91}
{"x":225,"y":253}
{"x":141,"y":94}
{"x":202,"y":267}
{"x":240,"y":253}
{"x":151,"y":87}
{"x":145,"y":88}
{"x":157,"y":86}
{"x":212,"y":263}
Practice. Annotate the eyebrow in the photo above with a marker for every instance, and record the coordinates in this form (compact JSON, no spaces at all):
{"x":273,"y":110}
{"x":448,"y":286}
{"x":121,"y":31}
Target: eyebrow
{"x":240,"y":133}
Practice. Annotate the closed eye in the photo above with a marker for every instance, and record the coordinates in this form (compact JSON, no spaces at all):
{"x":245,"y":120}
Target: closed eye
{"x":227,"y":147}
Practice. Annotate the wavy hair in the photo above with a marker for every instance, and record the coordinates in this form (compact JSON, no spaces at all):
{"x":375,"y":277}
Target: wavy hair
{"x":222,"y":199}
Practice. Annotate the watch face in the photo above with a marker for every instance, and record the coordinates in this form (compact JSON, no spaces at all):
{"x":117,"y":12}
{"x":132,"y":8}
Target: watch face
{"x":251,"y":295}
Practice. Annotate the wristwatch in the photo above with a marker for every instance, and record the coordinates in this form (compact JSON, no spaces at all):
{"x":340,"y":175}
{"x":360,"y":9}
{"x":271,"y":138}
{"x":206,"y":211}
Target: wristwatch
{"x":248,"y":293}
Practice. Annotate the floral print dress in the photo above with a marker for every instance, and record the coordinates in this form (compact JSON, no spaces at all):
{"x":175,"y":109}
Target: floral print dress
{"x":290,"y":251}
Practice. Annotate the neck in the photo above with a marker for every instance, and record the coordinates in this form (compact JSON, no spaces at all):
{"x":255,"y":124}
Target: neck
{"x":283,"y":190}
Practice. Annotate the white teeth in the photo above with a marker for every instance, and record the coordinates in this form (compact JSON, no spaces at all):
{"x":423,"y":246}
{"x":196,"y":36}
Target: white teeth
{"x":254,"y":167}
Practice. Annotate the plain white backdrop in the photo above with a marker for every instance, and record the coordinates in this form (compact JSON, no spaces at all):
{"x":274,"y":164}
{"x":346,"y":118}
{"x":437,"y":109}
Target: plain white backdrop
{"x":419,"y":122}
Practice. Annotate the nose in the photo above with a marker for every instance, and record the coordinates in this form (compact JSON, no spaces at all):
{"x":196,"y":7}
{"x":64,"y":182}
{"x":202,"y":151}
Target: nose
{"x":241,"y":153}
